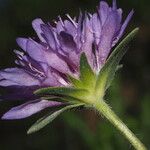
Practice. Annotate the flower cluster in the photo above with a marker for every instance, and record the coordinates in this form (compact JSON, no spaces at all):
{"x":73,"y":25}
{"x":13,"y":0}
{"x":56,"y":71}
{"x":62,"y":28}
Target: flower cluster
{"x":56,"y":54}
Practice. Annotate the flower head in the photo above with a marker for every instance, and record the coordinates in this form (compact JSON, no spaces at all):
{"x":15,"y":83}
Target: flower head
{"x":48,"y":61}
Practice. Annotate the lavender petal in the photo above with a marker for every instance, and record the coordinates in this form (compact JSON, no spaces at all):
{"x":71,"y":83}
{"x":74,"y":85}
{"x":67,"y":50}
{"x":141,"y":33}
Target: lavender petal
{"x":17,"y":76}
{"x":22,"y":42}
{"x":108,"y":32}
{"x":103,"y":11}
{"x":125,"y":24}
{"x":36,"y":24}
{"x":28,"y":109}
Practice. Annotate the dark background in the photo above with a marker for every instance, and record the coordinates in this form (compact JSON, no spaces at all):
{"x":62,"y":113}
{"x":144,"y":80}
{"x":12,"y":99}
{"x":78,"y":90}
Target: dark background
{"x":80,"y":129}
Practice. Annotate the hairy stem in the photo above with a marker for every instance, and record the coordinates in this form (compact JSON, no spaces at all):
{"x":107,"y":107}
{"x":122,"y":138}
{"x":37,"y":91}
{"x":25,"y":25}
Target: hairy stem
{"x":106,"y":111}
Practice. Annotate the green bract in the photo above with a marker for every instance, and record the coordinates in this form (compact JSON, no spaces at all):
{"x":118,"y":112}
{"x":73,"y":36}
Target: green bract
{"x":39,"y":124}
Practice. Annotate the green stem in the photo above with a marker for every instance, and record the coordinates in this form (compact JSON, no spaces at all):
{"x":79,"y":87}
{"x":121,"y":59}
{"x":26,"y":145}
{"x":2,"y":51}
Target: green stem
{"x":106,"y":111}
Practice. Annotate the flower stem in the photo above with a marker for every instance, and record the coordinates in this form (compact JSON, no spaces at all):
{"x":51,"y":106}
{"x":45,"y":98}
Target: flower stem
{"x":106,"y":111}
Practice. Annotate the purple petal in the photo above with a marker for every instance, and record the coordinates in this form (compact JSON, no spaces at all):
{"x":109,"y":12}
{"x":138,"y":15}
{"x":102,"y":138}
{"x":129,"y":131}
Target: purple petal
{"x":29,"y":108}
{"x":36,"y":51}
{"x":72,"y":21}
{"x":125,"y":24}
{"x":87,"y":39}
{"x":6,"y":83}
{"x":103,"y":11}
{"x":59,"y":27}
{"x":108,"y":32}
{"x":67,"y":42}
{"x":50,"y":80}
{"x":70,"y":27}
{"x":41,"y":54}
{"x":1,"y":77}
{"x":22,"y":42}
{"x":96,"y":25}
{"x":16,"y":76}
{"x":25,"y":93}
{"x":74,"y":59}
{"x":49,"y":36}
{"x":57,"y":63}
{"x":36,"y":24}
{"x":114,"y":5}
{"x":119,"y":12}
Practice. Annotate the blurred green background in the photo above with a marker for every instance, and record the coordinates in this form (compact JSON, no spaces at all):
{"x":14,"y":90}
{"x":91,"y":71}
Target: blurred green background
{"x":129,"y":94}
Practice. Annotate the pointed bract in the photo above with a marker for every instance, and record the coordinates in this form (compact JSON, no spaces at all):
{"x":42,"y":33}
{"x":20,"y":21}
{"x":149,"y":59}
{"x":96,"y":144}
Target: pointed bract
{"x":49,"y":118}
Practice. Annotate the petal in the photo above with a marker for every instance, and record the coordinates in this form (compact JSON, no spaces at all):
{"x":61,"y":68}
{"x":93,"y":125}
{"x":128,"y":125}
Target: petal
{"x":75,"y":59}
{"x":114,"y":5}
{"x":103,"y":11}
{"x":58,"y":63}
{"x":6,"y":83}
{"x":41,"y":54}
{"x":96,"y":26}
{"x":28,"y":109}
{"x":36,"y":24}
{"x":67,"y":42}
{"x":123,"y":27}
{"x":119,"y":12}
{"x":50,"y":80}
{"x":87,"y":36}
{"x":25,"y":92}
{"x":17,"y":76}
{"x":107,"y":35}
{"x":36,"y":51}
{"x":22,"y":42}
{"x":59,"y":27}
{"x":125,"y":24}
{"x":49,"y":36}
{"x":1,"y":78}
{"x":70,"y":27}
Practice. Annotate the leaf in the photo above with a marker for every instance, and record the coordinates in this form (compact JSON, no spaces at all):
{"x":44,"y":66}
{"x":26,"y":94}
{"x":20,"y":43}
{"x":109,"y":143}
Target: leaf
{"x":42,"y":122}
{"x":87,"y":75}
{"x":107,"y":73}
{"x":73,"y":93}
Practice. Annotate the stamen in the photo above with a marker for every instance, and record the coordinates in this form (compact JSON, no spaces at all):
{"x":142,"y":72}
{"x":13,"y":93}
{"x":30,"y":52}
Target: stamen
{"x":39,"y":73}
{"x":73,"y":22}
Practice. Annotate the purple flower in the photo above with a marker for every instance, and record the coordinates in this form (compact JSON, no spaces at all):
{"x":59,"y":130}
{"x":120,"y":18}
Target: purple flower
{"x":47,"y":61}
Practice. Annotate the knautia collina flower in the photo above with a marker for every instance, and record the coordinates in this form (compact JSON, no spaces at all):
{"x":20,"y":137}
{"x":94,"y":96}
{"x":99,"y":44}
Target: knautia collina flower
{"x":48,"y":61}
{"x":70,"y":65}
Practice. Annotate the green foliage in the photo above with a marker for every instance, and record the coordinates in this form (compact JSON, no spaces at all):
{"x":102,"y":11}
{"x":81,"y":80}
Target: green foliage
{"x":39,"y":124}
{"x":73,"y":94}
